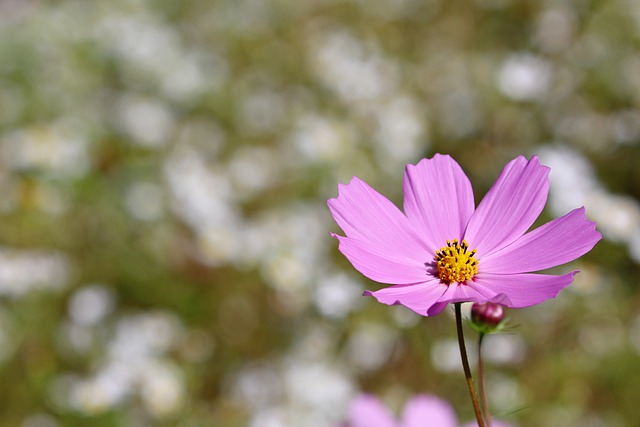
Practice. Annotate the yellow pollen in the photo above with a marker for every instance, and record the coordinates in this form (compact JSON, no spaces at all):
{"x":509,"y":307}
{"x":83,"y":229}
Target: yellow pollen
{"x":455,"y":262}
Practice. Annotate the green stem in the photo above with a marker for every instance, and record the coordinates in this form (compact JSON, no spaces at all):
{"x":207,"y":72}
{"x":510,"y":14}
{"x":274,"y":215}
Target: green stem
{"x":465,"y":366}
{"x":483,"y":394}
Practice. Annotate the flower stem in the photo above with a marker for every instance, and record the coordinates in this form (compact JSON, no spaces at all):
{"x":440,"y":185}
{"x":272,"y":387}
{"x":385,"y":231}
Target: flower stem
{"x":483,"y":394}
{"x":465,"y":366}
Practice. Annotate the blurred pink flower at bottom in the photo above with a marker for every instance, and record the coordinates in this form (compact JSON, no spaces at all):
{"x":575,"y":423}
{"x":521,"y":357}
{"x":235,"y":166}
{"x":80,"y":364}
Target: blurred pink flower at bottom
{"x":419,"y":411}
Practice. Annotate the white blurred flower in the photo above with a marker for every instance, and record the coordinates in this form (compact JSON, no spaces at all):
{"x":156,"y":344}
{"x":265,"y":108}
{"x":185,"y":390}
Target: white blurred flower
{"x":337,"y":294}
{"x":24,"y":270}
{"x":524,"y":77}
{"x":162,"y":389}
{"x":504,"y":349}
{"x":144,"y":201}
{"x":148,"y":122}
{"x":573,"y":183}
{"x":355,"y":71}
{"x":370,"y":346}
{"x":52,"y":148}
{"x":91,"y":304}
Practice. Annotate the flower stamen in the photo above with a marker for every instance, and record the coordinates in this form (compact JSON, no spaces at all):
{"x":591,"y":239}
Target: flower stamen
{"x":455,"y":262}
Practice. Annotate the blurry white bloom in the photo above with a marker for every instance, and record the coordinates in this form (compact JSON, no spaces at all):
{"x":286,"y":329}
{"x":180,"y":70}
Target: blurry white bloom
{"x":405,"y":318}
{"x":91,"y":304}
{"x":286,"y":272}
{"x":136,"y":365}
{"x":53,"y":149}
{"x":252,"y":170}
{"x":192,"y":74}
{"x":162,"y":389}
{"x":319,"y":138}
{"x":258,"y":386}
{"x":201,"y":195}
{"x":400,"y":133}
{"x":139,"y":337}
{"x":24,"y":270}
{"x":331,"y":388}
{"x":107,"y":389}
{"x":261,"y":111}
{"x":148,"y":122}
{"x":505,"y":392}
{"x":573,"y":183}
{"x":293,"y":392}
{"x":144,"y":201}
{"x":370,"y":346}
{"x":219,"y":244}
{"x":152,"y":50}
{"x":445,"y":355}
{"x":352,"y":69}
{"x":524,"y":77}
{"x":337,"y":294}
{"x":504,"y":349}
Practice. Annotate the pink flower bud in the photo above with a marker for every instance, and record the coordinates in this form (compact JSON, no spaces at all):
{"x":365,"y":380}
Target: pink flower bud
{"x":488,"y":314}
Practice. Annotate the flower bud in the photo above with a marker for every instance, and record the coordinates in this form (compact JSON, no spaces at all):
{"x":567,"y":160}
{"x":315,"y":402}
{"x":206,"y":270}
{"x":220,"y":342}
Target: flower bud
{"x":487,"y":315}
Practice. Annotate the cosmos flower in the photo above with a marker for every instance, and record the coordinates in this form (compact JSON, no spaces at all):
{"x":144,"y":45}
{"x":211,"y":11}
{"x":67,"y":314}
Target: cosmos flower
{"x":443,"y":249}
{"x":419,"y":411}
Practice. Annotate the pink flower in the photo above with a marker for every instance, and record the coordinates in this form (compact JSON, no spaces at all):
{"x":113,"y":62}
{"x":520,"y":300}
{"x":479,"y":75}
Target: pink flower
{"x":443,"y":249}
{"x":420,"y":411}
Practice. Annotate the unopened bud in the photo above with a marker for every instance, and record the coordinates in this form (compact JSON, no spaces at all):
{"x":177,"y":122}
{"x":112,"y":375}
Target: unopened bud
{"x":487,"y":315}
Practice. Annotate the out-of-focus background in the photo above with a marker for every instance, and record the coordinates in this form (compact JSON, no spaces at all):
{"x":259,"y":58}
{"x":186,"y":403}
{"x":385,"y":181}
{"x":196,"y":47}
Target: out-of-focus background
{"x":165,"y":257}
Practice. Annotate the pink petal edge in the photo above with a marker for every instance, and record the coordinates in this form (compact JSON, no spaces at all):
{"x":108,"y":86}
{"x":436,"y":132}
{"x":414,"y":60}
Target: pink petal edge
{"x":367,"y":411}
{"x":510,"y":207}
{"x":366,"y":215}
{"x":438,"y":199}
{"x":523,"y":290}
{"x":419,"y":297}
{"x":379,"y":264}
{"x":425,"y":410}
{"x":555,"y":243}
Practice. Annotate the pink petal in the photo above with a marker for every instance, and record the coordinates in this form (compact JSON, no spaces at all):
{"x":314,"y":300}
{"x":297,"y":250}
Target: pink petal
{"x":424,"y":411}
{"x":555,"y":243}
{"x":366,"y":215}
{"x":468,"y":292}
{"x":438,"y":199}
{"x":510,"y":207}
{"x":419,"y":297}
{"x":431,"y":297}
{"x":524,"y":290}
{"x":367,"y":411}
{"x":379,"y":264}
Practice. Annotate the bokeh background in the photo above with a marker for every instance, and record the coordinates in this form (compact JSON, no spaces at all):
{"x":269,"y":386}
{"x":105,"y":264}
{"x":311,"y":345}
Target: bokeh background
{"x":165,"y":257}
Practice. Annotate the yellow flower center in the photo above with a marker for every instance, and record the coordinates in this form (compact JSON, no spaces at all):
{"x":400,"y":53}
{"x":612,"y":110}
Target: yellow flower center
{"x":455,"y":262}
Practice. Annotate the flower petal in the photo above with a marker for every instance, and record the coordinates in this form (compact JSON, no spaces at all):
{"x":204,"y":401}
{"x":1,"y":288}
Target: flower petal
{"x":555,"y":243}
{"x":364,"y":214}
{"x":379,"y":264}
{"x":425,"y":410}
{"x":524,"y":290}
{"x":419,"y":297}
{"x":368,"y":411}
{"x":510,"y":207}
{"x":438,"y":199}
{"x":469,"y":292}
